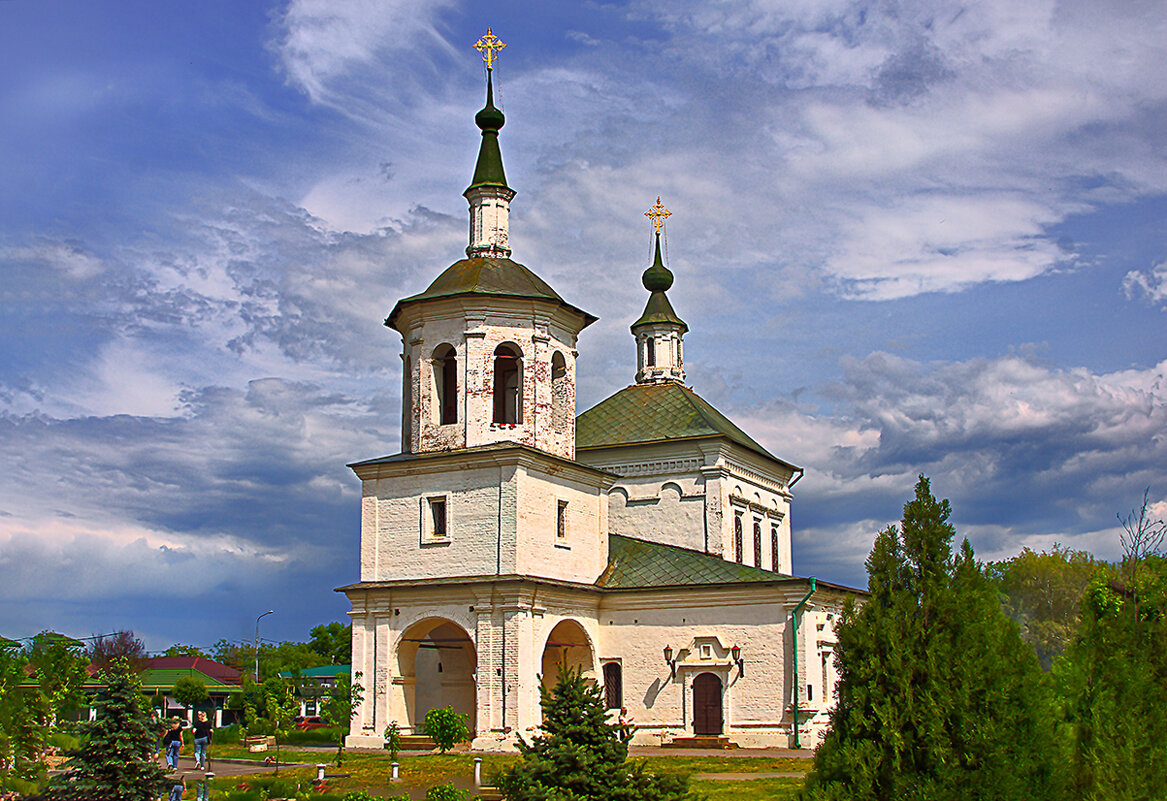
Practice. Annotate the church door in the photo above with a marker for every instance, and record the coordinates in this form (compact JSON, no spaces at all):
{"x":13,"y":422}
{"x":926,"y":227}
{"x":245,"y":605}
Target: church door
{"x":707,"y":704}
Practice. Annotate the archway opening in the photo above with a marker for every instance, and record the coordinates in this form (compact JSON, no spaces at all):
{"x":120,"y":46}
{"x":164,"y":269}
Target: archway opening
{"x":437,"y":662}
{"x":567,"y":646}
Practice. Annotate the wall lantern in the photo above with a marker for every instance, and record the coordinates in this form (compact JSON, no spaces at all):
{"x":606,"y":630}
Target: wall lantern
{"x":736,"y":653}
{"x":671,"y":661}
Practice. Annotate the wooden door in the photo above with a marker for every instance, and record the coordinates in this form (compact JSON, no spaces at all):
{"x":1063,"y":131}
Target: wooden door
{"x":707,"y":704}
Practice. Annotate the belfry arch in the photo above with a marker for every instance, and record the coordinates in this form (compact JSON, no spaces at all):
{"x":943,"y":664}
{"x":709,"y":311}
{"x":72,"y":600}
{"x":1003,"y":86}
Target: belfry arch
{"x":437,"y":665}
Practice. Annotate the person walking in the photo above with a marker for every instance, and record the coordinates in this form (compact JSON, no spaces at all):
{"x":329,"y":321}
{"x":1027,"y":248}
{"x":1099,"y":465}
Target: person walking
{"x":173,"y":741}
{"x":203,"y":730}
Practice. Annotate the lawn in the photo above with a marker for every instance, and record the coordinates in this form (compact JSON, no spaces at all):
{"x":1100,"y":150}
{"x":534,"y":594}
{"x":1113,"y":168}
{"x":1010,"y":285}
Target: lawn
{"x":371,"y":772}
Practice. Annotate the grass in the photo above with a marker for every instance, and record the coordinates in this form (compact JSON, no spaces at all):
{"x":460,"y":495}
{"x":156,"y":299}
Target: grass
{"x":371,"y":772}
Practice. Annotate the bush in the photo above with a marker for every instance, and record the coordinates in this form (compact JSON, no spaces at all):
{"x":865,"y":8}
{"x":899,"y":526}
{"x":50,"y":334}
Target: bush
{"x":228,"y":735}
{"x":63,"y":741}
{"x":446,"y":728}
{"x":444,"y":792}
{"x":326,"y":736}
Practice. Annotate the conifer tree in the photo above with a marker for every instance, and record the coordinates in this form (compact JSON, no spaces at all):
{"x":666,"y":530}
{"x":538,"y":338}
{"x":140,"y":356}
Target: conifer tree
{"x":116,"y":759}
{"x":938,"y":696}
{"x":580,"y":756}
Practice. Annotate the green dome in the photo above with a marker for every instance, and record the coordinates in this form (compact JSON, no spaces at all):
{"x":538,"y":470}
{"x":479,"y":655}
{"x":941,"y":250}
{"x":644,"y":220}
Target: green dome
{"x":488,"y":170}
{"x":657,"y":278}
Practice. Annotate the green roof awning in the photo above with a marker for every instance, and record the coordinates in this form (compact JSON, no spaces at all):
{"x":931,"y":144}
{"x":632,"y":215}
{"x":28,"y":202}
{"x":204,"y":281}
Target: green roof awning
{"x":636,"y":564}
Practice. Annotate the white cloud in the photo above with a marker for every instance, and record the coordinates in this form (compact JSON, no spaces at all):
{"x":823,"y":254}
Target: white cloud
{"x":1151,"y":284}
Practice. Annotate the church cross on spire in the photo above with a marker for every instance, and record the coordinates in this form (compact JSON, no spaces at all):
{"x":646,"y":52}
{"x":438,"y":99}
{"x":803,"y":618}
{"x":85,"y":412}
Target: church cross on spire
{"x":657,"y":214}
{"x":488,"y":46}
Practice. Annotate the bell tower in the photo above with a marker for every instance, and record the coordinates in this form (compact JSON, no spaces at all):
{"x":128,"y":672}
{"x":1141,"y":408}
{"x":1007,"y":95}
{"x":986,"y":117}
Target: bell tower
{"x":489,"y":347}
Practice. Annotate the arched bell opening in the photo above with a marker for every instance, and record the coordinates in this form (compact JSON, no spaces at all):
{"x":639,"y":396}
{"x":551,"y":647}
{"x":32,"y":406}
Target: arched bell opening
{"x":437,"y":663}
{"x":508,"y":384}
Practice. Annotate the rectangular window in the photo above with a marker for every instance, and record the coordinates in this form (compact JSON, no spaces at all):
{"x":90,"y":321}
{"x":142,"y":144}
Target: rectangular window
{"x":613,"y":685}
{"x":774,"y":563}
{"x":438,"y":518}
{"x":561,"y":521}
{"x":810,"y":692}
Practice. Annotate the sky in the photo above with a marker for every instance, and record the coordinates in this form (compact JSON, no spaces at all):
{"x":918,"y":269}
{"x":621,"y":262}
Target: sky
{"x":915,"y":237}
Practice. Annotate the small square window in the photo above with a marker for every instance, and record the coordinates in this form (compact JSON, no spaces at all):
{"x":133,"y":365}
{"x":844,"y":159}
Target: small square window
{"x":438,"y":528}
{"x":706,"y":651}
{"x":561,"y":521}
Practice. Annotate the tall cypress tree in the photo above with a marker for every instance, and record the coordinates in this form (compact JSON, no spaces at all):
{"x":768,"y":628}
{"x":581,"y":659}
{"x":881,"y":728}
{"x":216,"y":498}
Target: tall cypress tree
{"x":938,"y":696}
{"x":116,"y":759}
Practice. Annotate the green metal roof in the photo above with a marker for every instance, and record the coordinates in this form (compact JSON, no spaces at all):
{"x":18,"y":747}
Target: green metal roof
{"x":487,"y":275}
{"x":326,"y":671}
{"x":659,"y":310}
{"x":654,"y":413}
{"x":154,"y":678}
{"x":637,"y":564}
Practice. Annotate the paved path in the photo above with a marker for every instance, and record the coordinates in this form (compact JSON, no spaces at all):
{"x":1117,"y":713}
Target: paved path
{"x":745,"y":777}
{"x":230,"y":767}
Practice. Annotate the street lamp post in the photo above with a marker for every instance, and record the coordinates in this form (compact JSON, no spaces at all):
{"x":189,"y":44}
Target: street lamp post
{"x":265,"y":614}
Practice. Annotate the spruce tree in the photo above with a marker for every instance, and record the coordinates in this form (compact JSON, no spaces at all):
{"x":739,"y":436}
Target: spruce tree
{"x":580,"y":756}
{"x":116,"y":759}
{"x":938,"y":696}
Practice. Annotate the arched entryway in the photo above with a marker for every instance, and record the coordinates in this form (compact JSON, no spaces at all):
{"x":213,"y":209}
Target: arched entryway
{"x":567,"y":646}
{"x":437,"y":662}
{"x":707,"y":704}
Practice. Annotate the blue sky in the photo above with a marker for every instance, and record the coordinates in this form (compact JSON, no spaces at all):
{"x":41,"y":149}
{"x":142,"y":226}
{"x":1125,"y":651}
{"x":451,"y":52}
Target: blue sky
{"x":908,"y":237}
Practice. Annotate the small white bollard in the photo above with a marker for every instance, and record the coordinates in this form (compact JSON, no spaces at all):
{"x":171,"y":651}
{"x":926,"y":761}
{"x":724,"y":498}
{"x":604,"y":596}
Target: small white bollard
{"x":477,"y":771}
{"x":396,"y":775}
{"x":320,"y":766}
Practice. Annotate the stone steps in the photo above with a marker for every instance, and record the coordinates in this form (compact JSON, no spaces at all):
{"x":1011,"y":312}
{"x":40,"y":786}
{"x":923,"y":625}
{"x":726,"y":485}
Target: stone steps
{"x":711,"y":742}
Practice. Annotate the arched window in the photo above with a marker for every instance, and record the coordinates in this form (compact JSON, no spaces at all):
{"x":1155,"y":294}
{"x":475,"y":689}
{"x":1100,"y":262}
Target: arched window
{"x":508,"y":381}
{"x":446,"y":384}
{"x":757,"y":543}
{"x":737,"y":537}
{"x":613,"y":685}
{"x":560,"y":402}
{"x":774,"y":563}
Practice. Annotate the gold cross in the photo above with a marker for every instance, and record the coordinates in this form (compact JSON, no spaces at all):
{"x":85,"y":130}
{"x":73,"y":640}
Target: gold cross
{"x":657,"y":214}
{"x":487,"y":45}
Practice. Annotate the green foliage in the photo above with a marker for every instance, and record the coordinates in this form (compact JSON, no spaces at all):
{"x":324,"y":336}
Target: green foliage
{"x":23,"y":711}
{"x":938,"y":696}
{"x":1042,"y":593}
{"x":178,"y":649}
{"x":580,"y":756}
{"x":444,"y":792}
{"x":333,"y":642}
{"x":1113,"y":680}
{"x":393,"y":740}
{"x":190,"y":691}
{"x":60,"y":664}
{"x":446,"y":728}
{"x":116,"y":758}
{"x":343,"y":701}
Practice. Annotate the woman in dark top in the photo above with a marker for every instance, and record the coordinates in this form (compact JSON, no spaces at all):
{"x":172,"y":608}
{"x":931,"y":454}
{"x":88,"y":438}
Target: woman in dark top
{"x":202,"y":738}
{"x":173,"y":742}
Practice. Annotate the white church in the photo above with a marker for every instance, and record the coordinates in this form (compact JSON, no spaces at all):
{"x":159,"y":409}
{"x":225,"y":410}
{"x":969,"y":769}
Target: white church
{"x":645,"y":542}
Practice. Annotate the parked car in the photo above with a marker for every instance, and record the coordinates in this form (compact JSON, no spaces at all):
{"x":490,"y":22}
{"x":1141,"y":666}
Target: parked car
{"x":311,"y":722}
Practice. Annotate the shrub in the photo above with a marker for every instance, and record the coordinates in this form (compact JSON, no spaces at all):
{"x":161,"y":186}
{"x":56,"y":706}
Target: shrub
{"x":444,"y":792}
{"x":393,"y":740}
{"x":446,"y":728}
